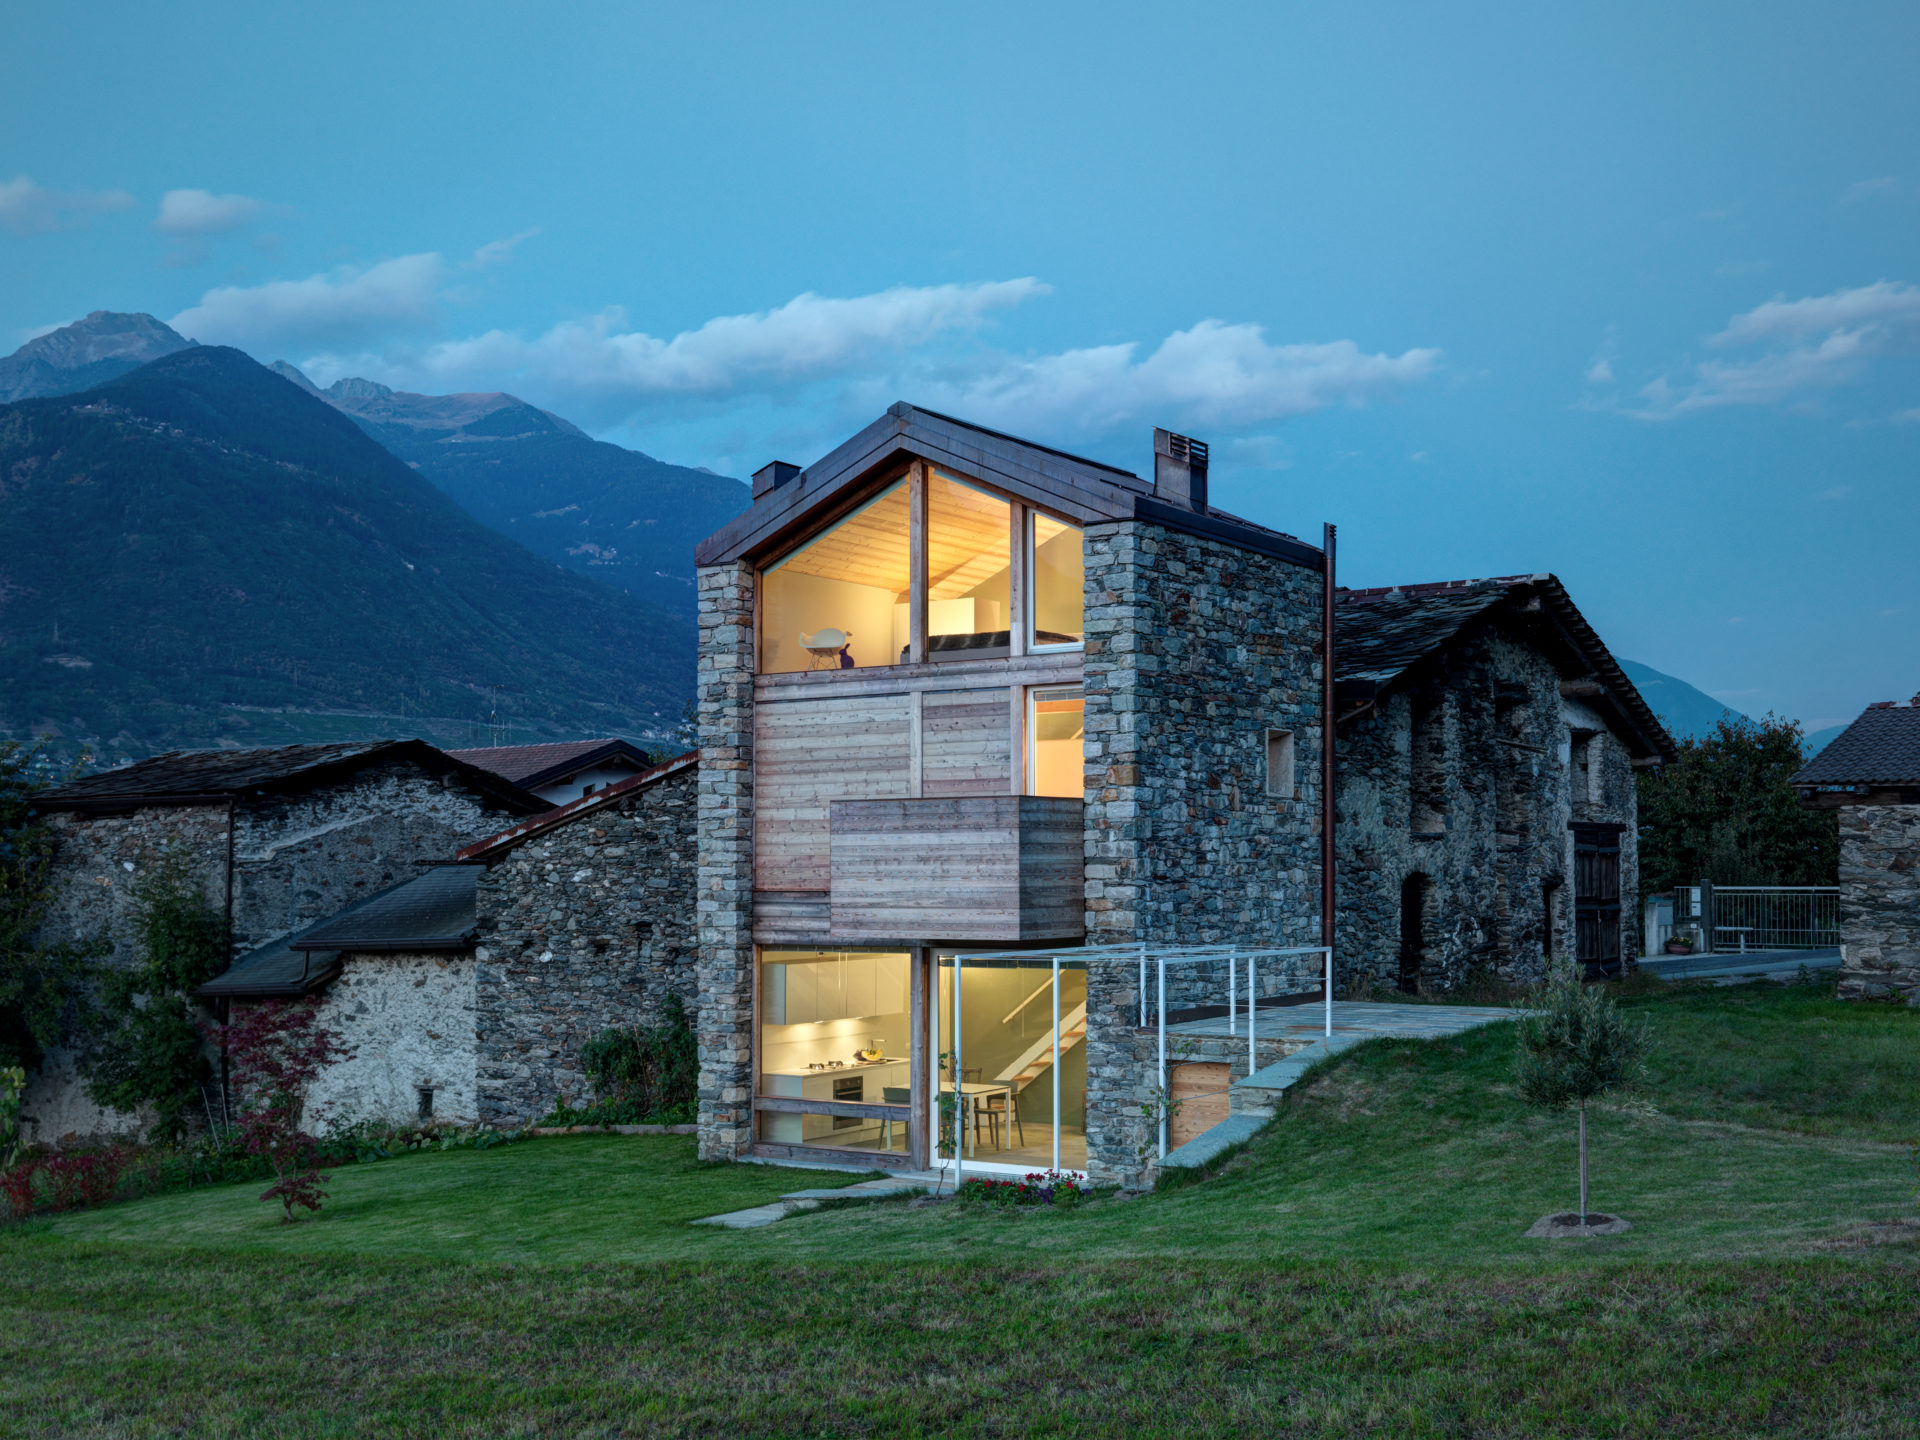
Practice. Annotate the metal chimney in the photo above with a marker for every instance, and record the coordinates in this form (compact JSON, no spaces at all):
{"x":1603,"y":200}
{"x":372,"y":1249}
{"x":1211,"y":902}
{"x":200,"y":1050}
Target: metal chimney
{"x":769,"y":478}
{"x":1180,"y":470}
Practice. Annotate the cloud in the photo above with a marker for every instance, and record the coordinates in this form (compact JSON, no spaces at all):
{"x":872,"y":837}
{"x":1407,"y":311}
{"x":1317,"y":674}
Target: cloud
{"x":498,"y":252}
{"x":1600,"y":372}
{"x":196,"y":214}
{"x":1813,"y":345}
{"x":30,"y":209}
{"x":1881,"y":187}
{"x":344,"y":306}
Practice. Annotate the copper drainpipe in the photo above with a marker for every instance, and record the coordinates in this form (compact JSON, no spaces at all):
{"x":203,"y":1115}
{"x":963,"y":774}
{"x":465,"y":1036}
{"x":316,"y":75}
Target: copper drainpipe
{"x":1326,"y":753}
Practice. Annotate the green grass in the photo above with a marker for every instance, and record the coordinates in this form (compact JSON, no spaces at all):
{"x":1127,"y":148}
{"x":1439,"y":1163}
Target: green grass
{"x":1358,"y":1269}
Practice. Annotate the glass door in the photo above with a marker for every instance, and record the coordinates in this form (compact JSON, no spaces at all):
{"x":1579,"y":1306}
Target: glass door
{"x":1010,"y":1062}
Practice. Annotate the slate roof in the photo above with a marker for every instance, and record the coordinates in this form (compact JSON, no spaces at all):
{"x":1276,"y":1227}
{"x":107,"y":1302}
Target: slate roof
{"x":482,"y":851}
{"x":1380,"y":634}
{"x":531,"y":766}
{"x":1882,"y":747}
{"x":189,"y":777}
{"x":434,"y":911}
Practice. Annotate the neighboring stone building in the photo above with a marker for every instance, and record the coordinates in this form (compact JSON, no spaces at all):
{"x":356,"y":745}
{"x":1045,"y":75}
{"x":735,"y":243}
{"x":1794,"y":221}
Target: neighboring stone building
{"x":1870,"y":773}
{"x":278,"y":837}
{"x":467,"y":992}
{"x":1486,"y":801}
{"x":961,"y":691}
{"x":562,"y":772}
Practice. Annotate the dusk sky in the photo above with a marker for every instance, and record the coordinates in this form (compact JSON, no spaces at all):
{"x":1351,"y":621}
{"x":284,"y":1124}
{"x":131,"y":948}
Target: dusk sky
{"x":1630,"y":293}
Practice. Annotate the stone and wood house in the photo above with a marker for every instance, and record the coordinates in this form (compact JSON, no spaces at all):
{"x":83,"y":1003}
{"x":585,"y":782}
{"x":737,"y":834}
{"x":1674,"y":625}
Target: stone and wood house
{"x":277,"y":838}
{"x":467,"y":991}
{"x":563,"y":770}
{"x":1870,"y":774}
{"x":1486,"y":748}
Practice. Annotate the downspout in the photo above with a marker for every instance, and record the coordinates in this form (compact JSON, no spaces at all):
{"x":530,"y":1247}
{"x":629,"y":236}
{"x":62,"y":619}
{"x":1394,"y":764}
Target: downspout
{"x":225,"y":1008}
{"x":1327,"y":777}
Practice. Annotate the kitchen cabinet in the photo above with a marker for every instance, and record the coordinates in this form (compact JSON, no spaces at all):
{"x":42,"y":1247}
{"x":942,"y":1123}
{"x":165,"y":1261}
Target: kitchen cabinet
{"x":844,"y":989}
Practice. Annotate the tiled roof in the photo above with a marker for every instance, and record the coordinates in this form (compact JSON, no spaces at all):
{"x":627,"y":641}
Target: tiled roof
{"x":188,"y":776}
{"x":1380,"y":634}
{"x":534,"y":765}
{"x":432,"y":912}
{"x":273,"y":970}
{"x":494,"y":845}
{"x":1882,"y":747}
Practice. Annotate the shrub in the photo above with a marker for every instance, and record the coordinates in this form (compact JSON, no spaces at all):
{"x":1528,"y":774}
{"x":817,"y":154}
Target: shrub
{"x":1575,"y":1046}
{"x":643,"y":1074}
{"x":1039,"y":1187}
{"x":13,"y":1089}
{"x":277,"y":1051}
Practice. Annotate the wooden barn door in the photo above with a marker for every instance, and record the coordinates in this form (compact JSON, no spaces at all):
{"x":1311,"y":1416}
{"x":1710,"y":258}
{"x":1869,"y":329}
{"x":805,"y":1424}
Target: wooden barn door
{"x":1596,"y":898}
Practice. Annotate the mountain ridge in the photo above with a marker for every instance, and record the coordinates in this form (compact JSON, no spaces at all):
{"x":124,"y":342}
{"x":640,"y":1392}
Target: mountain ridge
{"x":103,"y":346}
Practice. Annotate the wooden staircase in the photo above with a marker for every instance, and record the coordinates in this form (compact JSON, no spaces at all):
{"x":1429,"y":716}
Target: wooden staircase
{"x":1025,"y":1070}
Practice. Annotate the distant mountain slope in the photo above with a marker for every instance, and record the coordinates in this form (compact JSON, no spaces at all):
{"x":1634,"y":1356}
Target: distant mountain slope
{"x":612,"y":513}
{"x":1688,"y":714}
{"x":1818,"y":740}
{"x":199,"y":541}
{"x":86,"y":353}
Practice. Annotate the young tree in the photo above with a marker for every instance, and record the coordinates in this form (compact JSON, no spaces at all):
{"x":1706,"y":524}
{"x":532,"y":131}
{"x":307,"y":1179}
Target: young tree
{"x":150,"y":1050}
{"x":43,"y":986}
{"x":1576,"y":1046}
{"x":1723,"y":811}
{"x":277,"y":1050}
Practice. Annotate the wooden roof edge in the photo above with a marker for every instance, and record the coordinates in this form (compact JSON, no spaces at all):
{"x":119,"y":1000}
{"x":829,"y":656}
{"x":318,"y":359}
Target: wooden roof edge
{"x":482,"y":851}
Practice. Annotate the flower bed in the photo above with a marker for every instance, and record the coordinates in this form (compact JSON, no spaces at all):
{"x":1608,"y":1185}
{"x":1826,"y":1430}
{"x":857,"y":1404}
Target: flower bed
{"x":1039,"y":1187}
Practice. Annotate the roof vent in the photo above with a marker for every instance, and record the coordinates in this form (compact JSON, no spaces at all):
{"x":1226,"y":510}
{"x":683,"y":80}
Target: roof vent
{"x":1180,"y":470}
{"x":769,"y":478}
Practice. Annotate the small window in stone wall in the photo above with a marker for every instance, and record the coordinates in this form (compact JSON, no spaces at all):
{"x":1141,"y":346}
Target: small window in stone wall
{"x":1280,"y":777}
{"x":1427,"y":777}
{"x":426,"y":1102}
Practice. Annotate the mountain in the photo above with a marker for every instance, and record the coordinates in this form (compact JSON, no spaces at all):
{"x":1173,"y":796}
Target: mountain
{"x":86,"y":353}
{"x":200,"y":553}
{"x":615,"y":514}
{"x":1688,"y":714}
{"x":1818,"y":740}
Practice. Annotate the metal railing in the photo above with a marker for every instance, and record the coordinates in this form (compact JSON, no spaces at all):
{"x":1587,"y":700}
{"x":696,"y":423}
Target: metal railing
{"x":1740,"y":918}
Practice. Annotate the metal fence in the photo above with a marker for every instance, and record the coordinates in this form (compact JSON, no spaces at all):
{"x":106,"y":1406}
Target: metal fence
{"x":1738,"y":918}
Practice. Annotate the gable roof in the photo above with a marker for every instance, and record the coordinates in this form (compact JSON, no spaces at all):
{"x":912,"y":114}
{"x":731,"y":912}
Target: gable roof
{"x":1085,"y":491}
{"x":201,"y":777}
{"x":433,"y":911}
{"x":531,"y":766}
{"x":1881,"y":747}
{"x":494,"y":846}
{"x":1381,"y":634}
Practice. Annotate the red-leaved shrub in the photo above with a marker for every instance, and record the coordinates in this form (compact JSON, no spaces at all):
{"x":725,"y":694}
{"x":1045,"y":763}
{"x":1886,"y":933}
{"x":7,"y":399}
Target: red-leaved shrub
{"x":277,"y":1050}
{"x":16,"y":1185}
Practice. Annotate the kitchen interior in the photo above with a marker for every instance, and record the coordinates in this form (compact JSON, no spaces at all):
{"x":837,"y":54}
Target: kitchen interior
{"x":835,"y":1025}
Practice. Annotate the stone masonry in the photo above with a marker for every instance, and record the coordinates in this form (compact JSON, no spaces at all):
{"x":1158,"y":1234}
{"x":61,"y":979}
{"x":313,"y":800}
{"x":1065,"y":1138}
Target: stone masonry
{"x":1195,"y":649}
{"x":1880,"y":902}
{"x":584,"y":927}
{"x":410,"y":1020}
{"x":724,"y":894}
{"x":1467,"y":777}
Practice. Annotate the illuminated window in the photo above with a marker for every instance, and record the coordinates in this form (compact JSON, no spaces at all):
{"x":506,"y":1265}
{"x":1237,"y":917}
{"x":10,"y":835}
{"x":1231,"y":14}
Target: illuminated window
{"x":969,"y":565}
{"x":840,"y":600}
{"x":1056,"y":728}
{"x":1059,"y":574}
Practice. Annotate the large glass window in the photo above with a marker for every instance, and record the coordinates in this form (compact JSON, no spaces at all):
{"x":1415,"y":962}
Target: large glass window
{"x":1019,"y":1096}
{"x":1059,"y":576}
{"x":835,"y":1025}
{"x":969,"y":566}
{"x":1056,"y":731}
{"x":840,"y":601}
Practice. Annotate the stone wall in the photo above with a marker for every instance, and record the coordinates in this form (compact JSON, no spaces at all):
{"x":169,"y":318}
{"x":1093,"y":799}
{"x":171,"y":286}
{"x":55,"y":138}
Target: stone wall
{"x":1195,"y":649}
{"x":1462,"y":775}
{"x":583,"y":928}
{"x":301,"y":857}
{"x":724,"y":895}
{"x":410,"y":1020}
{"x":1880,"y":902}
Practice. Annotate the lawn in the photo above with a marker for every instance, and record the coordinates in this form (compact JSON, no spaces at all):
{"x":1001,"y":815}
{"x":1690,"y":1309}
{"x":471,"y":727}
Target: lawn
{"x":1358,"y":1269}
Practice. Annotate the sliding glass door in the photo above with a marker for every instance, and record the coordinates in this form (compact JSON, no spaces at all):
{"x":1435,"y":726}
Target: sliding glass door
{"x":1010,"y":1062}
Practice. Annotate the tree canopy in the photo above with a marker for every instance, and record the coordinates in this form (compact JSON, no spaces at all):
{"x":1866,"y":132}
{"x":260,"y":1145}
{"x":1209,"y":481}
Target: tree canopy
{"x":1723,"y":811}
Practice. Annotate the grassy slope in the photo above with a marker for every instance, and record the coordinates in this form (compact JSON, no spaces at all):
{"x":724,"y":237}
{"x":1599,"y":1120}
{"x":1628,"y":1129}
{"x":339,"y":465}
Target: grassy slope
{"x":1358,"y":1269}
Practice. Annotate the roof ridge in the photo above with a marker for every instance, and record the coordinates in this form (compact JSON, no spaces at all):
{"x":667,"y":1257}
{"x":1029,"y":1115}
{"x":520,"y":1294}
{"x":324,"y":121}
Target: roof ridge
{"x":561,"y":814}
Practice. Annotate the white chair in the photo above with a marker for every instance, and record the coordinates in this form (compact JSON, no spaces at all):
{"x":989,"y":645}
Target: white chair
{"x":824,"y":646}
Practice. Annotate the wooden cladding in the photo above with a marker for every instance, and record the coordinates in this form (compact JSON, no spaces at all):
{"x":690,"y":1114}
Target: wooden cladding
{"x":976,"y":868}
{"x":966,"y":743}
{"x":809,"y":754}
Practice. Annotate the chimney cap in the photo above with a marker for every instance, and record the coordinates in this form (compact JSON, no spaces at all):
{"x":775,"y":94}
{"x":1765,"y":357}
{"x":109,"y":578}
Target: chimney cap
{"x":771,"y":476}
{"x":1180,"y":447}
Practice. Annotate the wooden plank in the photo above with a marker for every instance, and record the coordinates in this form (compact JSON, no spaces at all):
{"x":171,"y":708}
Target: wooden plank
{"x":1199,"y":1089}
{"x":919,"y":1137}
{"x":807,"y":755}
{"x":1018,"y":581}
{"x":917,"y":740}
{"x":784,"y":1105}
{"x":832,"y":1155}
{"x":965,"y":742}
{"x":1059,"y":667}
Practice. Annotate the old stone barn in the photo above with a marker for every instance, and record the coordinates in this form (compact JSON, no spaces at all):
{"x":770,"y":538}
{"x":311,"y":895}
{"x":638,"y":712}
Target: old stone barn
{"x":467,"y":991}
{"x":1486,"y":753}
{"x":1870,"y":773}
{"x":278,"y":838}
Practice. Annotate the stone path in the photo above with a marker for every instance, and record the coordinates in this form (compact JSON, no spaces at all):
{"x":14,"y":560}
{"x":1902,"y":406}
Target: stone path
{"x":797,"y":1200}
{"x":1738,"y":969}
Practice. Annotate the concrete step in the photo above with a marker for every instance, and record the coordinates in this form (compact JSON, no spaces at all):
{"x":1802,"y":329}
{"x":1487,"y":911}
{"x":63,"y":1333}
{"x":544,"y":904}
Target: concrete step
{"x":1203,"y":1147}
{"x":795,"y":1201}
{"x":1261,"y":1093}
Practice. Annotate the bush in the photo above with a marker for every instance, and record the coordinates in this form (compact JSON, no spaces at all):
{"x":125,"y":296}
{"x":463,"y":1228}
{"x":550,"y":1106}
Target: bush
{"x":1039,"y":1187}
{"x":641,"y":1074}
{"x":277,"y":1051}
{"x":1576,"y":1046}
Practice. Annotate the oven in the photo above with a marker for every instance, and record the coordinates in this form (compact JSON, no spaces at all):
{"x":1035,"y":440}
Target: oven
{"x":851,"y":1088}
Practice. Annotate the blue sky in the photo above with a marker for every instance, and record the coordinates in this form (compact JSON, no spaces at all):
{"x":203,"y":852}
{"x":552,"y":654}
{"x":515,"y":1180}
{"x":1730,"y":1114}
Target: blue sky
{"x":1626,"y":292}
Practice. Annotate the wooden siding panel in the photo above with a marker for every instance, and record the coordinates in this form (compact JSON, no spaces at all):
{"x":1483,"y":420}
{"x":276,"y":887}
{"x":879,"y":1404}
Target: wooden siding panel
{"x":809,"y":753}
{"x":965,"y":742}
